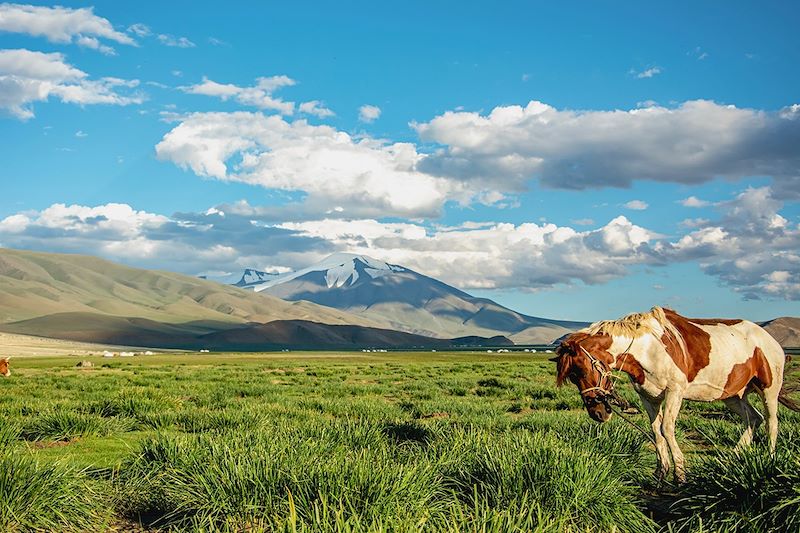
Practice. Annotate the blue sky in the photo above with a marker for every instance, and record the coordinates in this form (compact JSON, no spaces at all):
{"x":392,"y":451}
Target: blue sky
{"x":656,"y":164}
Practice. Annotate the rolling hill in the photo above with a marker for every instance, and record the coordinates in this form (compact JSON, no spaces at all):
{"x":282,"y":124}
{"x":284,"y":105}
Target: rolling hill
{"x":87,"y":299}
{"x":35,"y":284}
{"x":785,"y":329}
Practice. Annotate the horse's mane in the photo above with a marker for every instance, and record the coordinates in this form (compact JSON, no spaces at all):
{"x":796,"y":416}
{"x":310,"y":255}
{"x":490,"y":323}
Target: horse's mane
{"x":636,"y":325}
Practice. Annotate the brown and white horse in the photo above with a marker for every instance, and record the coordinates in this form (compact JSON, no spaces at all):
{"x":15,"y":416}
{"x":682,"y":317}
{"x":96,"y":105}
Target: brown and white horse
{"x":670,"y":358}
{"x":4,"y":371}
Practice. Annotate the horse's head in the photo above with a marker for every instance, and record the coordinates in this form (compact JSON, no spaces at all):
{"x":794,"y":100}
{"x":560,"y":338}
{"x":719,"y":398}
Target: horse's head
{"x":584,"y":360}
{"x":4,"y":371}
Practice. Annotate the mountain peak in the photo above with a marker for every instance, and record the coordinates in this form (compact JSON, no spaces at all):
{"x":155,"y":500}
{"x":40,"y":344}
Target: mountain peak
{"x":340,"y":269}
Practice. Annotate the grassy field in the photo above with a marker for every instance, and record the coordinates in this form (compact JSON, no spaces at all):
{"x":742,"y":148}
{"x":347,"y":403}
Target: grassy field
{"x":361,"y":442}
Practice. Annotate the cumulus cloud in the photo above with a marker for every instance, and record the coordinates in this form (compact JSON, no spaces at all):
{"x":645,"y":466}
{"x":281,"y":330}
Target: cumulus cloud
{"x":487,"y":255}
{"x":27,"y":77}
{"x":140,"y":30}
{"x":190,"y":243}
{"x":524,"y":256}
{"x":369,"y":113}
{"x":259,"y":95}
{"x":693,"y":143}
{"x":752,"y":248}
{"x":636,"y":205}
{"x":316,"y":108}
{"x":62,"y":25}
{"x":694,"y":201}
{"x":364,"y":176}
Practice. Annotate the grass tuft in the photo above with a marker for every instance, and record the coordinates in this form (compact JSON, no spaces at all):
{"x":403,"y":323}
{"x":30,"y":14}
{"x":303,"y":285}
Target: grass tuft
{"x":47,"y":497}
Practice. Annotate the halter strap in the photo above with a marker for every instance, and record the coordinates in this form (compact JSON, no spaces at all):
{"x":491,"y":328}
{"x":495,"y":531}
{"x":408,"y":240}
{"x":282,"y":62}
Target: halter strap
{"x":608,"y":374}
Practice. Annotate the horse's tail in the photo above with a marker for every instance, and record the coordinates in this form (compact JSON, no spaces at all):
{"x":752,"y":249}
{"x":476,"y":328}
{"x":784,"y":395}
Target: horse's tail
{"x":785,"y":400}
{"x":789,"y":403}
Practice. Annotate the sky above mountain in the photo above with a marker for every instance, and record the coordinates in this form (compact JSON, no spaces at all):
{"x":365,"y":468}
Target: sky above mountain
{"x":576,"y":160}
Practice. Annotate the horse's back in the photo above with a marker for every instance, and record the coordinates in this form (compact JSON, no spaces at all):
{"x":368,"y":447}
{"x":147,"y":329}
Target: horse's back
{"x":739,"y":352}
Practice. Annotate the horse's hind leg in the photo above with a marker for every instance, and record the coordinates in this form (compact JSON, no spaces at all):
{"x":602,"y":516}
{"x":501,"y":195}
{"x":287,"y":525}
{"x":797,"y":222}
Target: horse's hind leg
{"x":770,"y":397}
{"x":750,"y":416}
{"x":653,"y":409}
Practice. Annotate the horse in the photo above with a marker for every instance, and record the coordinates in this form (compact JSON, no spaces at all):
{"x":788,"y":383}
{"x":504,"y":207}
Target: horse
{"x":4,"y":371}
{"x":670,"y":358}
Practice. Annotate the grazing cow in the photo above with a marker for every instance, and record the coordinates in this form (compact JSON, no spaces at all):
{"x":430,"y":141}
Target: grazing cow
{"x":4,"y":371}
{"x":670,"y":358}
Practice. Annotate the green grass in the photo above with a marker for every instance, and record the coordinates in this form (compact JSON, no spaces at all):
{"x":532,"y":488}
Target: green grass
{"x":48,"y":496}
{"x":356,"y":442}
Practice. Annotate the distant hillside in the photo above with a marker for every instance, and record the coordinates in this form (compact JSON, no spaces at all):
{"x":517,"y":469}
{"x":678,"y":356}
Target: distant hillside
{"x":403,"y":299}
{"x":278,"y":334}
{"x":34,"y":284}
{"x":786,"y":330}
{"x":86,"y":299}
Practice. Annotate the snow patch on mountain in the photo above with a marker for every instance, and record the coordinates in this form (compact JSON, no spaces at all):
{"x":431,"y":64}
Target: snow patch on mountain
{"x":340,"y":269}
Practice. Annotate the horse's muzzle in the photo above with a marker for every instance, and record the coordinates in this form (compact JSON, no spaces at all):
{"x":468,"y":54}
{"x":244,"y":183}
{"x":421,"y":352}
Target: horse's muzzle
{"x":598,"y":408}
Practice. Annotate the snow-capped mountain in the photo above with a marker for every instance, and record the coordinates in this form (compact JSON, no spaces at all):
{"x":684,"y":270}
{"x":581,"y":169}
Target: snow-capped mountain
{"x":339,"y":270}
{"x":249,"y":279}
{"x":255,"y":278}
{"x":403,"y":299}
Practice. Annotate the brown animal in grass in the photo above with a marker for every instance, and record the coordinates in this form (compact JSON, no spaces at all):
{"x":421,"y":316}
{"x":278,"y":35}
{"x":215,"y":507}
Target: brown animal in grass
{"x":671,"y":358}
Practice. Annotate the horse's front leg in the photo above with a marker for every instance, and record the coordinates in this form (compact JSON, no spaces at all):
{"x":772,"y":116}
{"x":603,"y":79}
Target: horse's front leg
{"x":653,"y":408}
{"x":672,"y":406}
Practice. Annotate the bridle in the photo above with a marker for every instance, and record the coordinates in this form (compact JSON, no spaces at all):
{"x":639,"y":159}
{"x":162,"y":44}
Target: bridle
{"x":607,"y":374}
{"x":604,"y":373}
{"x":610,"y":392}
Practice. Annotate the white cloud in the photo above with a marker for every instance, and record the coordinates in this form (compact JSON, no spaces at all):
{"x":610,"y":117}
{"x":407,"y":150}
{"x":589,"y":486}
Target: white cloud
{"x":698,"y":53}
{"x":331,"y":167}
{"x":27,"y":77}
{"x":636,"y":205}
{"x":647,"y":73}
{"x":62,"y":25}
{"x":316,"y":108}
{"x":81,"y":134}
{"x":369,"y":113}
{"x":189,"y":243}
{"x":525,"y":256}
{"x":749,"y":249}
{"x":694,"y":201}
{"x":117,"y":220}
{"x":693,"y":143}
{"x":171,"y":40}
{"x":94,"y":44}
{"x":260,"y":95}
{"x":217,"y":42}
{"x":140,"y":30}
